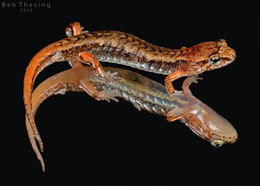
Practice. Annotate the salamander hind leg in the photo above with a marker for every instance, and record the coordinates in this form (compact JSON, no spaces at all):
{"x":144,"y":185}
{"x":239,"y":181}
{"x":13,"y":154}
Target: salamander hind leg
{"x":72,"y":30}
{"x":98,"y":70}
{"x":97,"y":95}
{"x":106,"y":96}
{"x":75,"y":29}
{"x":89,"y":58}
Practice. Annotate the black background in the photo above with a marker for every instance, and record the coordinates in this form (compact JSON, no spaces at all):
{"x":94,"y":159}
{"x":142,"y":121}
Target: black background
{"x":99,"y":143}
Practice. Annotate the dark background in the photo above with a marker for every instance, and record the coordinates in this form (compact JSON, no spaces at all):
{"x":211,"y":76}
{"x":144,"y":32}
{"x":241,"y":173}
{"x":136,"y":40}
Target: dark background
{"x":99,"y":143}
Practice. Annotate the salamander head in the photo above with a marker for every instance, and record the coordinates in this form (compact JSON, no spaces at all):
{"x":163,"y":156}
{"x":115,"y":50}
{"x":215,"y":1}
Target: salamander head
{"x":224,"y":56}
{"x":209,"y":125}
{"x":207,"y":56}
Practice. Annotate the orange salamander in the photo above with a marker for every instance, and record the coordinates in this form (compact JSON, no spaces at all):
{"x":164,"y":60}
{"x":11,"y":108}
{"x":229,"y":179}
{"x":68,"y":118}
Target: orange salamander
{"x":144,"y":94}
{"x":126,"y":49}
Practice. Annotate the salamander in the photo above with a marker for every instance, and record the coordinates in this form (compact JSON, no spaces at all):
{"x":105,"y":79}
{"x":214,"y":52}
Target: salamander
{"x":126,"y":49}
{"x":144,"y":94}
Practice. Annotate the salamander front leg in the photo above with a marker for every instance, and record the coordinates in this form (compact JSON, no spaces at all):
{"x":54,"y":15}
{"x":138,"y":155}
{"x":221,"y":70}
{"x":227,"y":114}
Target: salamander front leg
{"x":187,"y":82}
{"x":170,"y":78}
{"x":174,"y":114}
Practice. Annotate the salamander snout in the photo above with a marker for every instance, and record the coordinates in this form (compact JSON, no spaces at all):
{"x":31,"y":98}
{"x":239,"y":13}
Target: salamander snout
{"x":209,"y":125}
{"x":220,"y":130}
{"x":224,"y":56}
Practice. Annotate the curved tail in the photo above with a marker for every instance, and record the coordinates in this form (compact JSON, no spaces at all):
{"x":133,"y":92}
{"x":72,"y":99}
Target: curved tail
{"x":42,"y":59}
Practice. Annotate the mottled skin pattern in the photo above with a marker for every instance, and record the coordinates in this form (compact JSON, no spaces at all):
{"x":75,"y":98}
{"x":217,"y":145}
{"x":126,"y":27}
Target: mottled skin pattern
{"x":126,"y":49}
{"x":144,"y":94}
{"x":119,"y":47}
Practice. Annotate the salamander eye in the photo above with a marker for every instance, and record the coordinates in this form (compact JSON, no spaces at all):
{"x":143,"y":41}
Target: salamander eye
{"x":214,"y":59}
{"x":217,"y":143}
